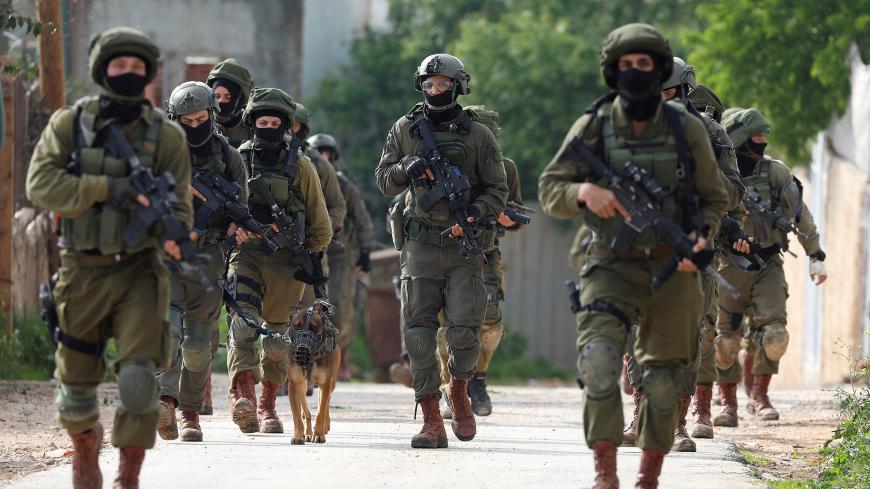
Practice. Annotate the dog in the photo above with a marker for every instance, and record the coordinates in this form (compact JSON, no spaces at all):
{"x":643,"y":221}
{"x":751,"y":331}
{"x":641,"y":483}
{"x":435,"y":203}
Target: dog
{"x":311,"y":333}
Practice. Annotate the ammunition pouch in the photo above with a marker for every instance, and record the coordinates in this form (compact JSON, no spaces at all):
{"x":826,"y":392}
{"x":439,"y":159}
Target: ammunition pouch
{"x":417,"y":230}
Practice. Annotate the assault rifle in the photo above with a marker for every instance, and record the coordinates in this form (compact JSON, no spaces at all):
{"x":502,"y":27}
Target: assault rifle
{"x":641,"y":195}
{"x":160,"y":192}
{"x":518,"y":212}
{"x":755,"y":205}
{"x":732,"y":231}
{"x":49,"y":308}
{"x":220,"y":193}
{"x":449,"y":185}
{"x":289,"y":235}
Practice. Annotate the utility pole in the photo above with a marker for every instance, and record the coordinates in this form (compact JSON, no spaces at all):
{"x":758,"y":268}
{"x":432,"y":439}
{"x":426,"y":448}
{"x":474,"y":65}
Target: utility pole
{"x":51,"y":81}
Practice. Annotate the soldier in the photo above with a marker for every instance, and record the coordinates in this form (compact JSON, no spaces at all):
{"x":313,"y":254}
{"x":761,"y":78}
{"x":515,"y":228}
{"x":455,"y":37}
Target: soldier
{"x":435,"y":275}
{"x":349,"y":257}
{"x":700,"y":379}
{"x":232,"y":86}
{"x":492,"y":329}
{"x":633,"y":124}
{"x":194,"y":311}
{"x":763,"y":292}
{"x":107,"y":287}
{"x":268,"y":287}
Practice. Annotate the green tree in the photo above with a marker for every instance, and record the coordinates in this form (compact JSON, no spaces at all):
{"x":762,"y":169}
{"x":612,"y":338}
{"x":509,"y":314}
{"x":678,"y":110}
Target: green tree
{"x":785,"y":57}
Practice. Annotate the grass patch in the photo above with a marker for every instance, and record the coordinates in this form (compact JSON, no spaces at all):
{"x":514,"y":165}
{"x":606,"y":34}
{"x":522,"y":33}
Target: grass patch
{"x":28,"y":353}
{"x":754,"y":458}
{"x":510,"y":366}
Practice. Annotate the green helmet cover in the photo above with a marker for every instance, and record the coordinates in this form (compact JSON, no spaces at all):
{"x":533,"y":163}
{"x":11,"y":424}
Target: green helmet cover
{"x":634,"y":38}
{"x":232,"y":70}
{"x":121,"y":41}
{"x":269,"y":99}
{"x":190,"y":97}
{"x":706,"y":101}
{"x":488,"y":118}
{"x":730,"y":111}
{"x":303,"y":115}
{"x":743,"y":124}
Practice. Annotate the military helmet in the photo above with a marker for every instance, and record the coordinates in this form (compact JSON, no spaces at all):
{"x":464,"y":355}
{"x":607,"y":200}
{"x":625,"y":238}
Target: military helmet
{"x":488,"y":118}
{"x":727,"y":113}
{"x":230,"y":69}
{"x":742,"y":124}
{"x":303,"y":115}
{"x":121,"y":41}
{"x":190,"y":97}
{"x":272,"y":99}
{"x":706,"y":101}
{"x":682,"y":74}
{"x":322,"y":140}
{"x":634,"y":38}
{"x":444,"y":65}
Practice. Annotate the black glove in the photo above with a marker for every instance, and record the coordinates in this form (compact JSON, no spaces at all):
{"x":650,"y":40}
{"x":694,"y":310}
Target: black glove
{"x":414,"y":166}
{"x":122,"y":195}
{"x":819,"y":255}
{"x":310,"y":270}
{"x":364,"y":262}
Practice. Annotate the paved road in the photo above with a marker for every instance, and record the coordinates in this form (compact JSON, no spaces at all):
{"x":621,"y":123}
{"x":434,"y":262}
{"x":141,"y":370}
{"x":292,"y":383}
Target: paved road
{"x":534,"y":439}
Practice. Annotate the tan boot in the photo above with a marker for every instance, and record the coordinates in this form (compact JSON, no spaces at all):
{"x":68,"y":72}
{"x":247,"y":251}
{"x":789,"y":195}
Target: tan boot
{"x":243,"y":402}
{"x":190,"y":430}
{"x":703,"y":427}
{"x":207,"y":406}
{"x":682,"y":441}
{"x":746,"y":362}
{"x":167,"y":425}
{"x":269,"y":422}
{"x":650,"y":467}
{"x":129,"y":468}
{"x":759,"y":404}
{"x":629,"y":436}
{"x":433,"y":434}
{"x":400,"y":373}
{"x":85,"y":460}
{"x":463,"y":424}
{"x":728,"y":415}
{"x":605,"y":465}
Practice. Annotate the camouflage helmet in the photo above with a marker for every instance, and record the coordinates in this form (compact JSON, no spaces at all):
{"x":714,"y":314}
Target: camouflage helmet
{"x":232,"y":70}
{"x":190,"y":97}
{"x":682,"y":74}
{"x":444,"y":65}
{"x":634,"y":38}
{"x":742,"y":124}
{"x":271,"y":99}
{"x":488,"y":118}
{"x":707,"y":102}
{"x":303,"y":115}
{"x":120,"y":41}
{"x":322,"y":140}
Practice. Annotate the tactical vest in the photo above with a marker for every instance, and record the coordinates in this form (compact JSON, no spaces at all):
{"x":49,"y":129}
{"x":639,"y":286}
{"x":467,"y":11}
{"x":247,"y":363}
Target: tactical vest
{"x":215,"y":227}
{"x":99,"y":229}
{"x":283,"y":181}
{"x":658,"y":157}
{"x":759,"y":182}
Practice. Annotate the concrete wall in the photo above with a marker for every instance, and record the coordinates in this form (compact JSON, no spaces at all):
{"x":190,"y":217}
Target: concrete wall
{"x":265,"y":36}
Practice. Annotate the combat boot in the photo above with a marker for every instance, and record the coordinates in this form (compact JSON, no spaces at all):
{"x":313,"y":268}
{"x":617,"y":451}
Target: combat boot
{"x":728,"y":415}
{"x":682,"y":441}
{"x":167,"y":426}
{"x":463,"y":424}
{"x":480,"y":401}
{"x":747,"y":361}
{"x":243,"y":402}
{"x":269,"y":422}
{"x":605,"y":465}
{"x":703,"y":427}
{"x":629,"y":436}
{"x":446,"y":413}
{"x":400,"y":373}
{"x":759,"y":404}
{"x":190,"y":430}
{"x":433,"y":434}
{"x":650,"y":467}
{"x":129,"y":467}
{"x":85,"y":460}
{"x":207,"y":406}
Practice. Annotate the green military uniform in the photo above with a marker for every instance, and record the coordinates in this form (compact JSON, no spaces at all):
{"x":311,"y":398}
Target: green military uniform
{"x":194,"y":311}
{"x":108,"y":288}
{"x":668,"y":318}
{"x":264,"y":285}
{"x":230,"y":118}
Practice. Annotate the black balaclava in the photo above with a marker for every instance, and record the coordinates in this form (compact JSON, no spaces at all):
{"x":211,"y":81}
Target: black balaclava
{"x":230,"y":112}
{"x":198,"y":136}
{"x":640,"y":91}
{"x":111,"y":108}
{"x":126,"y":85}
{"x":757,"y":148}
{"x":302,"y":133}
{"x":270,"y":141}
{"x":442,"y":107}
{"x":748,"y":156}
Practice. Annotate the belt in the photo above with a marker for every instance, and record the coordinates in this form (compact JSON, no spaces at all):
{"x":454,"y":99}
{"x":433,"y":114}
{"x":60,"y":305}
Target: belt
{"x":80,"y":260}
{"x":657,"y":251}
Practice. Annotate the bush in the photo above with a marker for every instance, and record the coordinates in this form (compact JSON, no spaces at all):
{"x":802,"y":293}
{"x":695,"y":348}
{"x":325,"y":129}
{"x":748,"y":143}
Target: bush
{"x":509,"y":366}
{"x":28,"y":353}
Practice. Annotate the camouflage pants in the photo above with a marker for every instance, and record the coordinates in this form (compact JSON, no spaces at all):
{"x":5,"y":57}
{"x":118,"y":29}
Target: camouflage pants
{"x":194,"y":314}
{"x":126,"y":301}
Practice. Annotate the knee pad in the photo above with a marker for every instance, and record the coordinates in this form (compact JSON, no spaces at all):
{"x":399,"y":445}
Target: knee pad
{"x":462,"y":338}
{"x":276,"y":348}
{"x":421,"y":344}
{"x":77,"y":402}
{"x":137,"y":387}
{"x":196,"y":347}
{"x":599,"y":366}
{"x":660,"y":387}
{"x":726,"y":351}
{"x":240,"y":334}
{"x":774,"y":340}
{"x":490,"y":338}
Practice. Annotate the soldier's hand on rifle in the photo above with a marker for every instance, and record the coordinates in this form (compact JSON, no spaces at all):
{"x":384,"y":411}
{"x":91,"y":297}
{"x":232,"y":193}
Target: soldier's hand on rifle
{"x":195,"y":193}
{"x":170,"y":246}
{"x":506,"y":221}
{"x":417,"y":168}
{"x":687,"y":265}
{"x":241,"y":233}
{"x":742,"y":245}
{"x":122,"y":195}
{"x":601,"y":201}
{"x":456,"y":230}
